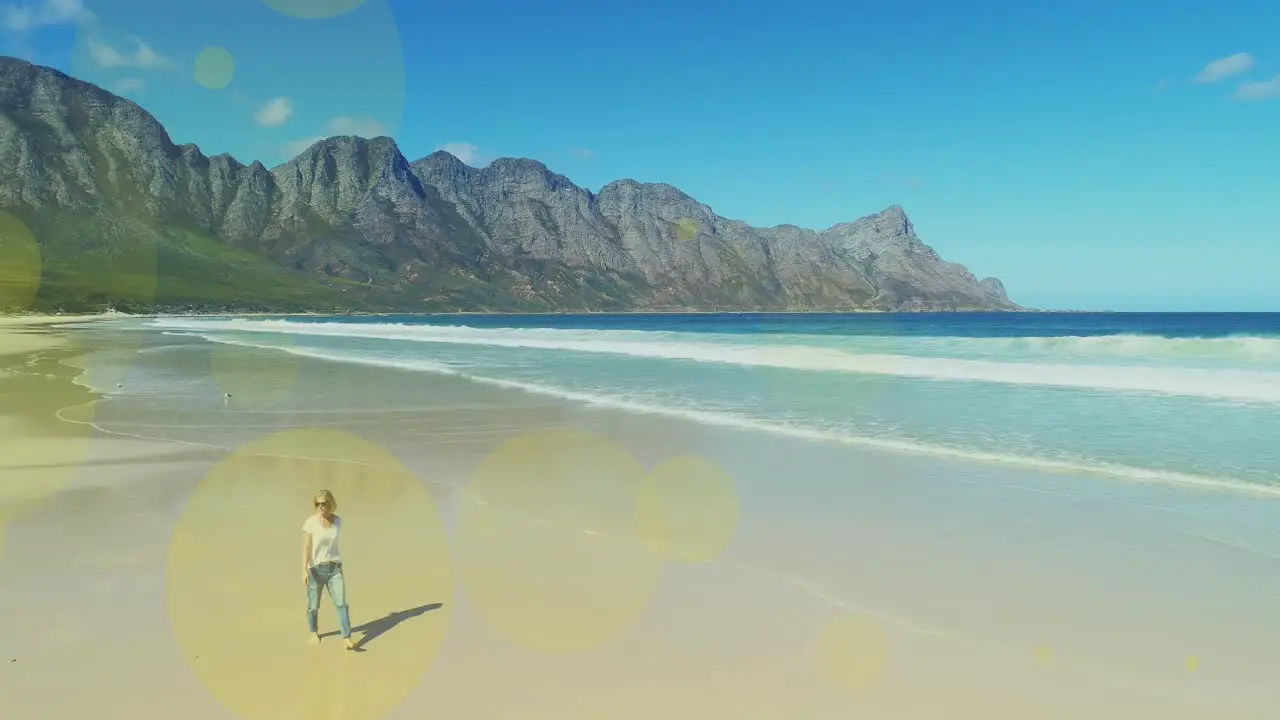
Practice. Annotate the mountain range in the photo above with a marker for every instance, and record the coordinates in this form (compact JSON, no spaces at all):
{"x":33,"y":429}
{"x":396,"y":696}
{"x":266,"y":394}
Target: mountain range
{"x":124,"y":217}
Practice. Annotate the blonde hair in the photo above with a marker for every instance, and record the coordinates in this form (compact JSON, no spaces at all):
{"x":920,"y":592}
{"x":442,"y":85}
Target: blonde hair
{"x":327,"y":497}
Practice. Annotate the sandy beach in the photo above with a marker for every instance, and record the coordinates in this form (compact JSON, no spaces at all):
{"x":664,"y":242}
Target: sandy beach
{"x":499,"y":567}
{"x":25,"y":334}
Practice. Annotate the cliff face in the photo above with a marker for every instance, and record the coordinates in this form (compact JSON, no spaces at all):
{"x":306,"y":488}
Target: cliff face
{"x":351,"y":223}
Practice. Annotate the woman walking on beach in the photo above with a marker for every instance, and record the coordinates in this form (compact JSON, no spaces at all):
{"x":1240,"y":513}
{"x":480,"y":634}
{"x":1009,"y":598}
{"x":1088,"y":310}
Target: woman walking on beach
{"x":322,"y":565}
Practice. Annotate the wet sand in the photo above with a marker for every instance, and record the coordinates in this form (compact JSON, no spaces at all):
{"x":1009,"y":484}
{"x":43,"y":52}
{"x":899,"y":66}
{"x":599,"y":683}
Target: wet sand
{"x":152,"y":570}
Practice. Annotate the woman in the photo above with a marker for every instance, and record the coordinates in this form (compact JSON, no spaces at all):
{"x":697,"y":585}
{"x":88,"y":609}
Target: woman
{"x":322,"y":565}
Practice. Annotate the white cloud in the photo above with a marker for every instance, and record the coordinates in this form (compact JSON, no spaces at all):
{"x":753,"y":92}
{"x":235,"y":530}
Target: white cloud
{"x":1163,"y":85}
{"x":127,"y":85}
{"x":361,"y":127}
{"x":34,"y":14}
{"x":584,"y":153}
{"x":274,"y":113}
{"x":143,"y":56}
{"x":1223,"y":68}
{"x":467,"y":152}
{"x":1260,"y":90}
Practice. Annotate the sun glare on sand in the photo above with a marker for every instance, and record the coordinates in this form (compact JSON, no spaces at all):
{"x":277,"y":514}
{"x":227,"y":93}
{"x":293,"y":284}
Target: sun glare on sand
{"x":243,"y":632}
{"x":548,"y":547}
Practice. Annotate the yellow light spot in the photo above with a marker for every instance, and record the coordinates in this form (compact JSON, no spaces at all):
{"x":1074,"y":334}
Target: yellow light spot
{"x":254,"y":377}
{"x":33,"y":469}
{"x":688,"y":509}
{"x":1044,"y":654}
{"x":215,"y":67}
{"x":20,"y":267}
{"x":1193,"y":663}
{"x":686,"y":229}
{"x":313,"y":9}
{"x":548,"y":548}
{"x":853,"y":652}
{"x":46,"y":436}
{"x":235,"y":590}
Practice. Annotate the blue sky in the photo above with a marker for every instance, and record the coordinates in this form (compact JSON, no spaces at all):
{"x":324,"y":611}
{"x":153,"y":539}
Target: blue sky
{"x":1093,"y":155}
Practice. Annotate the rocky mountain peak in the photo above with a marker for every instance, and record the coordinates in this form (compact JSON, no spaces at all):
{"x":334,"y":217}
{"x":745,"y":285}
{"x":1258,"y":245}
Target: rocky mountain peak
{"x":435,"y":233}
{"x":890,"y":222}
{"x":665,"y":201}
{"x":895,"y":219}
{"x":347,"y":146}
{"x":524,"y":170}
{"x":26,"y":89}
{"x":443,"y":160}
{"x":658,"y":191}
{"x":517,"y":165}
{"x":994,"y":288}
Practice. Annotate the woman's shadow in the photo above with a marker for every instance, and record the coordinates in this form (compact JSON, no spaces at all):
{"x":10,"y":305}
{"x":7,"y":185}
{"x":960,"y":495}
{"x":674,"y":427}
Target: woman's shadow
{"x":376,"y":628}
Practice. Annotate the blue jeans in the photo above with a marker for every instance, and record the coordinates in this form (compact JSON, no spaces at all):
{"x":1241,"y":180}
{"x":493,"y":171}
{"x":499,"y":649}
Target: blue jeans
{"x":327,"y":575}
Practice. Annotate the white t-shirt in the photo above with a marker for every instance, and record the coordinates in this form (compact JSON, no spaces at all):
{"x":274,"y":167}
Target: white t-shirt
{"x":324,"y":540}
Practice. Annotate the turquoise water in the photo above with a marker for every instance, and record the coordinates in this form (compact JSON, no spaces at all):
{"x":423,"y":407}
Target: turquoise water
{"x":1185,"y":399}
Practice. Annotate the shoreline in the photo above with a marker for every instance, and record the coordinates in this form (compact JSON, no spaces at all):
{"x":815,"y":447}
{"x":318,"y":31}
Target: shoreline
{"x":36,"y":319}
{"x":1113,"y":471}
{"x":32,"y":333}
{"x":999,"y":561}
{"x":43,"y":318}
{"x":16,"y":320}
{"x":38,"y":447}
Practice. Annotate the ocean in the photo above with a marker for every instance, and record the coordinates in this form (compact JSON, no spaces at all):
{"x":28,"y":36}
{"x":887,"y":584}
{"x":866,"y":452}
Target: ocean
{"x":1183,"y":399}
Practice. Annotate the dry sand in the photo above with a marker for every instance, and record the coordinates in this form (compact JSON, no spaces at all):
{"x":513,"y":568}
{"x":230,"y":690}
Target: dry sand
{"x":37,"y":319}
{"x":24,"y":334}
{"x":152,"y":572}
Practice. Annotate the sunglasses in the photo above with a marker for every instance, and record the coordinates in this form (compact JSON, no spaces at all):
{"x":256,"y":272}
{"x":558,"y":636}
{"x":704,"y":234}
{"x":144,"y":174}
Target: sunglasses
{"x":322,"y":503}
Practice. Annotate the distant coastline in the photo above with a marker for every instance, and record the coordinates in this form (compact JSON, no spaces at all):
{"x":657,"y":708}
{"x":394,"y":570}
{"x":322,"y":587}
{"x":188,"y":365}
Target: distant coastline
{"x":437,"y":234}
{"x":529,"y":313}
